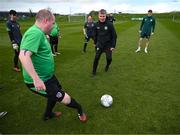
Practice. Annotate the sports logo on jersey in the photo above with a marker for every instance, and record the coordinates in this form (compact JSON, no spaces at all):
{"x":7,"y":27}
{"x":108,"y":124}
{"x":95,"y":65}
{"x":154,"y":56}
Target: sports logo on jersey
{"x":151,"y":20}
{"x":105,"y":27}
{"x":98,"y":28}
{"x":59,"y":95}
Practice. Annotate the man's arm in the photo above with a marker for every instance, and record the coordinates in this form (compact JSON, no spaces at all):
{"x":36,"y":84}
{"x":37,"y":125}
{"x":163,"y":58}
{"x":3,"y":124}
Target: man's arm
{"x":95,"y":33}
{"x":142,"y":23}
{"x":84,"y":31}
{"x":25,"y":58}
{"x":114,"y":36}
{"x":153,"y":25}
{"x":11,"y":36}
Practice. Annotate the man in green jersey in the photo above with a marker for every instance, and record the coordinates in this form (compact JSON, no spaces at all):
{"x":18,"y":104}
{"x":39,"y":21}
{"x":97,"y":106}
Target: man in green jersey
{"x":38,"y":66}
{"x":146,"y":30}
{"x":54,"y":35}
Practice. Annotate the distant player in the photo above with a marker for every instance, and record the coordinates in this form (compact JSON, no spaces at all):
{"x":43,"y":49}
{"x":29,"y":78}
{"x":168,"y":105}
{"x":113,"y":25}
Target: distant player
{"x":88,"y":31}
{"x":111,"y":18}
{"x":54,"y":39}
{"x":15,"y":36}
{"x":146,"y":30}
{"x":104,"y":39}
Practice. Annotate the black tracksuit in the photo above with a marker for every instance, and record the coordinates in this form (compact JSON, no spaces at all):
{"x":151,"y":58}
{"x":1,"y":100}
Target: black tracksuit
{"x":15,"y":36}
{"x":89,"y":27}
{"x":104,"y":39}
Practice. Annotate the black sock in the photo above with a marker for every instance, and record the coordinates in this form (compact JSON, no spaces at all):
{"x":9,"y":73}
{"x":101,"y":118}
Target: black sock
{"x":50,"y":105}
{"x":74,"y":104}
{"x":85,"y":45}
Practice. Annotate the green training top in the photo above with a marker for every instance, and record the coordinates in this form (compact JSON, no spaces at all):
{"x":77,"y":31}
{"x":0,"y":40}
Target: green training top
{"x":148,"y":25}
{"x":34,"y":40}
{"x":55,"y":30}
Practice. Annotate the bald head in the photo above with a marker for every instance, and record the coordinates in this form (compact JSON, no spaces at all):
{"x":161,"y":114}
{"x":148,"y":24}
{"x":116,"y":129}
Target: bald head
{"x":45,"y":20}
{"x":44,"y":14}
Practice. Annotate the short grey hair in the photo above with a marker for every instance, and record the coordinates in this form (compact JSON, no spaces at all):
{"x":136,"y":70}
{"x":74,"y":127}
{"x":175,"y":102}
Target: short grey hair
{"x":102,"y":11}
{"x":44,"y":14}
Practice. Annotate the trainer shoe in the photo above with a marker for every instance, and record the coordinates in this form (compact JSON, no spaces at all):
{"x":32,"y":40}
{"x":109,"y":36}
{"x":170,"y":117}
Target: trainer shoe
{"x":145,"y":50}
{"x":54,"y":55}
{"x":58,"y":53}
{"x":17,"y":69}
{"x":139,"y":49}
{"x":82,"y":117}
{"x":54,"y":114}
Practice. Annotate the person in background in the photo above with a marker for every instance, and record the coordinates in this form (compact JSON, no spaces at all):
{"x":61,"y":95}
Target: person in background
{"x":13,"y":29}
{"x":146,"y":30}
{"x":54,"y":38}
{"x":88,"y":31}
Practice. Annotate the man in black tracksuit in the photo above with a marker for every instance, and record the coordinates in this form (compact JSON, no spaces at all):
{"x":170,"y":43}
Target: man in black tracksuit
{"x":88,"y":31}
{"x":104,"y":39}
{"x":15,"y":36}
{"x":111,"y":18}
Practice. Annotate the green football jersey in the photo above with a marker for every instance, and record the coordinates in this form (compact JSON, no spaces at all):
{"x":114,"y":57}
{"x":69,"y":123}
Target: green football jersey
{"x":35,"y":40}
{"x":55,"y":30}
{"x":148,"y":25}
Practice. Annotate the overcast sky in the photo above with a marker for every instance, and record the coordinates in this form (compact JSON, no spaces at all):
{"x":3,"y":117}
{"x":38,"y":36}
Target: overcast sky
{"x":85,"y":6}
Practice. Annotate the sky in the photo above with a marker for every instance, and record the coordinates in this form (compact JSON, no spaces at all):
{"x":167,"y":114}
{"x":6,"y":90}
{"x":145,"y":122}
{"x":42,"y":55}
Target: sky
{"x":85,"y":6}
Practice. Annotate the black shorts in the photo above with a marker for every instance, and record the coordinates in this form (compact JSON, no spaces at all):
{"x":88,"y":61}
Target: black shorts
{"x":145,"y":35}
{"x":53,"y":40}
{"x":53,"y":89}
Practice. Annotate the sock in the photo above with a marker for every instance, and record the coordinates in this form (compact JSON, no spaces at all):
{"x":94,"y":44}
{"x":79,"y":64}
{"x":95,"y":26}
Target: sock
{"x":50,"y":105}
{"x":85,"y":45}
{"x":74,"y":104}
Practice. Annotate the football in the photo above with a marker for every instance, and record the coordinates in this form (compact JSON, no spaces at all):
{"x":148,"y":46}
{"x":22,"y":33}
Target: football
{"x":106,"y":100}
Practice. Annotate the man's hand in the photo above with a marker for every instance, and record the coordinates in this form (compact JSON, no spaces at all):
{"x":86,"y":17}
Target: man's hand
{"x":112,"y":49}
{"x":152,"y":33}
{"x":15,"y":46}
{"x":39,"y":84}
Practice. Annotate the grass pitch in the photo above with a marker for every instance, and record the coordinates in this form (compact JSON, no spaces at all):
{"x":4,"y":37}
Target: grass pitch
{"x":145,"y":87}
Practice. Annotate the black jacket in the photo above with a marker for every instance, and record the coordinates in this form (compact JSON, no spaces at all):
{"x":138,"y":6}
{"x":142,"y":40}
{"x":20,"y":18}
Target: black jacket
{"x":104,"y":35}
{"x":14,"y":32}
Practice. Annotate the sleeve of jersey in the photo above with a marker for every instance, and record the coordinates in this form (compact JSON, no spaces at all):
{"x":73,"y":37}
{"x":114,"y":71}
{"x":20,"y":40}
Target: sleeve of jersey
{"x":142,"y":24}
{"x":153,"y":25}
{"x":95,"y":33}
{"x":8,"y":28}
{"x":114,"y":36}
{"x":85,"y":25}
{"x":31,"y":42}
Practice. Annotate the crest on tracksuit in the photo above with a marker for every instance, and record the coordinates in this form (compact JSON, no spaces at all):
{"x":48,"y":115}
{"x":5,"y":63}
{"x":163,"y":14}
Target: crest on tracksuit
{"x":105,"y":27}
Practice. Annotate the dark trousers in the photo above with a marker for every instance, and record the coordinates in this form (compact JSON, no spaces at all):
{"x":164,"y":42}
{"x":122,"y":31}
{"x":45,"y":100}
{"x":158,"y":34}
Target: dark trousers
{"x":16,"y":58}
{"x":86,"y":41}
{"x":98,"y":55}
{"x":54,"y":43}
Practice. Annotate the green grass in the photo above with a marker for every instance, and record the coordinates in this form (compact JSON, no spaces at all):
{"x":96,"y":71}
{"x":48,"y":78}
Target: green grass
{"x":145,"y":87}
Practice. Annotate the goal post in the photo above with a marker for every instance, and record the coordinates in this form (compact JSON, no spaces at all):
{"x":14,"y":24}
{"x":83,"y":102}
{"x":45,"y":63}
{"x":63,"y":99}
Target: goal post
{"x":77,"y":18}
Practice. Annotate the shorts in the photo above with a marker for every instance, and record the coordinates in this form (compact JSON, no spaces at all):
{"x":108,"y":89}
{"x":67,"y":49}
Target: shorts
{"x":53,"y":89}
{"x":53,"y":40}
{"x":145,"y":35}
